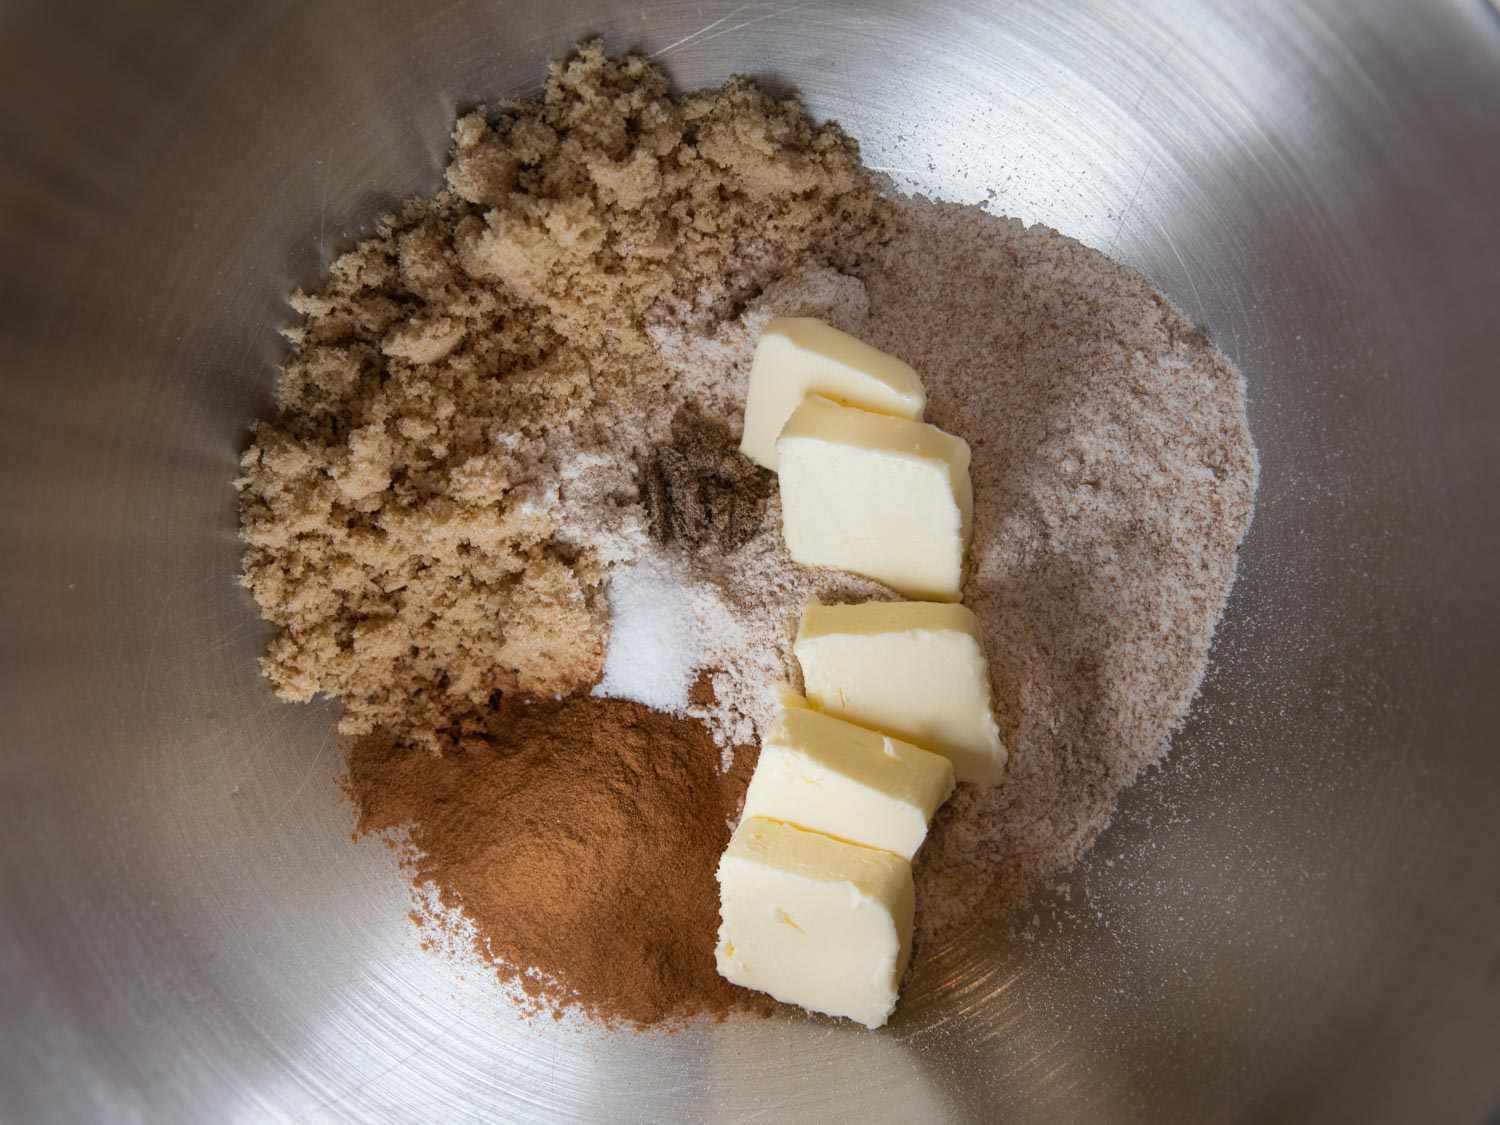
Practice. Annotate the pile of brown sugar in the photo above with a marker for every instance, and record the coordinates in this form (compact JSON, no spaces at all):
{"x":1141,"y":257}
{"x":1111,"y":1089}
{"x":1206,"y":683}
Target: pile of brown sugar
{"x":431,"y":514}
{"x":581,"y":844}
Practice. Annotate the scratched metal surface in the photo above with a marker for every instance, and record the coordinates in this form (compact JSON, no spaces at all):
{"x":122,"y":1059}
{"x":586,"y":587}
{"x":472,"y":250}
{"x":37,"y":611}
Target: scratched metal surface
{"x":1294,"y":920}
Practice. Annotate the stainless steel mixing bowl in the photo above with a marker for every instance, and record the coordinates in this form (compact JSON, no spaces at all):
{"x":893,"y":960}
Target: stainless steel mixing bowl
{"x":1296,"y":919}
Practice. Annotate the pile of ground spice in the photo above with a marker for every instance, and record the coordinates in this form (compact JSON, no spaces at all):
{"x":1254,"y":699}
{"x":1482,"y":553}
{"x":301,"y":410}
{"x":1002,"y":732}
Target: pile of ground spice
{"x":1114,"y":479}
{"x":581,"y":844}
{"x":699,"y":493}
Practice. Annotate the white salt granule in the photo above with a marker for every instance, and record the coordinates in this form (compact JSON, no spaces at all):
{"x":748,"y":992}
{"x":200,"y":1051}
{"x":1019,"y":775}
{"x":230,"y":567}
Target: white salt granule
{"x":653,"y":649}
{"x":664,"y":630}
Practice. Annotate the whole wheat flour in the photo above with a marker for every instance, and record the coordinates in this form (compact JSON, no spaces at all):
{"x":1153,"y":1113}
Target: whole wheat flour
{"x":1114,"y":479}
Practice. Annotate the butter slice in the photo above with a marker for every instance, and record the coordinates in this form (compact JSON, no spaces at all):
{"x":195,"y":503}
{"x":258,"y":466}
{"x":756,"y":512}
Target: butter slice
{"x":915,"y":670}
{"x":884,"y":497}
{"x":823,"y":774}
{"x":814,"y":921}
{"x":798,"y":356}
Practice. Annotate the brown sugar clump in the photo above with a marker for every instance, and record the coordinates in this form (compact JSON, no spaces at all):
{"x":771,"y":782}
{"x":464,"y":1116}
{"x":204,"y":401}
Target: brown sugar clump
{"x":581,"y":844}
{"x":430,"y":515}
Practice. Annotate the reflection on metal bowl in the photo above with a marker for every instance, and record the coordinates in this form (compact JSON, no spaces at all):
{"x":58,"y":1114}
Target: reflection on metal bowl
{"x":1295,"y":919}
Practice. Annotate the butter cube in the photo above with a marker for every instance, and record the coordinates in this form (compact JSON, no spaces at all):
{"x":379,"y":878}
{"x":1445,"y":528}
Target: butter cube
{"x":884,"y":497}
{"x":798,"y":356}
{"x":814,"y":921}
{"x":915,"y":670}
{"x":823,"y":774}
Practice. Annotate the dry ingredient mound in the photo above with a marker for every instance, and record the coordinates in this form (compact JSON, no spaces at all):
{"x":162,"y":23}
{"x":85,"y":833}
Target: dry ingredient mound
{"x":430,"y":516}
{"x":518,"y":404}
{"x":581,"y":847}
{"x":1114,"y":479}
{"x":698,"y":491}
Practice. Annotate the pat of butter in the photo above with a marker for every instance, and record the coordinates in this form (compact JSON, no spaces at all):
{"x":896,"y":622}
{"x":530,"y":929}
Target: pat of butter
{"x":915,"y":670}
{"x":884,"y":497}
{"x":798,"y":356}
{"x":821,"y":773}
{"x":814,"y":921}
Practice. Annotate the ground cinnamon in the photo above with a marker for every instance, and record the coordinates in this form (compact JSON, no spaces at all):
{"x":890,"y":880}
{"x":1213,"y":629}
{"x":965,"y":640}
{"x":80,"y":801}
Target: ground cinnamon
{"x":581,"y":842}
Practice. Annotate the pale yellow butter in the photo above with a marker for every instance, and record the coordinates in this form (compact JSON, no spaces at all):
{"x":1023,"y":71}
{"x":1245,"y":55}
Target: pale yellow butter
{"x":821,"y":773}
{"x":814,"y":921}
{"x":798,"y":356}
{"x":915,"y":670}
{"x":884,"y":497}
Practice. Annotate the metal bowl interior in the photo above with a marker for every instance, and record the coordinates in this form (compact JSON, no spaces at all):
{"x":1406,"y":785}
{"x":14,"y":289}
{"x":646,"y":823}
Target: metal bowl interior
{"x":1294,"y":919}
